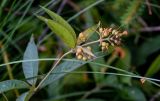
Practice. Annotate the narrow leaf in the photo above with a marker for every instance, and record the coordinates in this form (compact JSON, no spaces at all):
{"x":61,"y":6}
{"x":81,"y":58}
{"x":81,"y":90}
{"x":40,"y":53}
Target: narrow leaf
{"x":22,"y":97}
{"x":154,"y":68}
{"x":61,"y":31}
{"x":61,"y":21}
{"x":88,"y":33}
{"x":12,"y":84}
{"x":30,"y":69}
{"x":66,"y":66}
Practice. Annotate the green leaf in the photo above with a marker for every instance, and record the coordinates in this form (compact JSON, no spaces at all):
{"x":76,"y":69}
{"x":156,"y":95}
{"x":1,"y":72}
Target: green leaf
{"x":154,"y":68}
{"x":30,"y":68}
{"x":60,"y":20}
{"x":22,"y":97}
{"x":12,"y":84}
{"x":146,"y":49}
{"x":66,"y":66}
{"x":61,"y":31}
{"x":92,"y":100}
{"x":132,"y":94}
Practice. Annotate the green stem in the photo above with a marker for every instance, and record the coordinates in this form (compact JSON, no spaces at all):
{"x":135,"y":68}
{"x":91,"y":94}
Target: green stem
{"x":9,"y":69}
{"x":42,"y":81}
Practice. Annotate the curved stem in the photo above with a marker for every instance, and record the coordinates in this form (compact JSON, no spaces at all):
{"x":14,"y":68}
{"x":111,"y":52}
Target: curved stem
{"x":52,"y":70}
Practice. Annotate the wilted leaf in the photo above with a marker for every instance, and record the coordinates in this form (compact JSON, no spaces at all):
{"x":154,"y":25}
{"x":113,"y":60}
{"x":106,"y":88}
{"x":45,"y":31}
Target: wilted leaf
{"x":12,"y":84}
{"x":61,"y":21}
{"x":30,"y":68}
{"x":154,"y":68}
{"x":88,"y":33}
{"x":86,"y":50}
{"x":61,"y":31}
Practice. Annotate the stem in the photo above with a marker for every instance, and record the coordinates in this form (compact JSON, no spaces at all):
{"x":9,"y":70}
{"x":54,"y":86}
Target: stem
{"x":93,"y":42}
{"x":9,"y":69}
{"x":52,"y":70}
{"x":5,"y":97}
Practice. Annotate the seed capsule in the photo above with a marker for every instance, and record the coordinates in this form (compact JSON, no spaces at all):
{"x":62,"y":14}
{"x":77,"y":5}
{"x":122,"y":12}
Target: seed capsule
{"x":84,"y":58}
{"x":79,"y":57}
{"x":113,"y":32}
{"x":110,"y":29}
{"x":103,"y":48}
{"x":125,"y":33}
{"x":89,"y":57}
{"x":103,"y":44}
{"x":89,"y":48}
{"x":79,"y":50}
{"x":81,"y":35}
{"x":100,"y":30}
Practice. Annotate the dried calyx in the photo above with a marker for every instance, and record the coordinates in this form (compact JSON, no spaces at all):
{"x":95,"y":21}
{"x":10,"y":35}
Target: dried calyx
{"x":84,"y":53}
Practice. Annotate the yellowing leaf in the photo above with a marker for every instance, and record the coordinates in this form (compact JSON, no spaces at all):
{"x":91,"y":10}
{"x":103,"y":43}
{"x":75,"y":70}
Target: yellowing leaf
{"x":87,"y":33}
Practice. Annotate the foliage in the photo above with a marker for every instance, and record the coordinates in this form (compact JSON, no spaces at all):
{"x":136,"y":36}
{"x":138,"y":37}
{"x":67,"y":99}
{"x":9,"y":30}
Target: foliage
{"x":100,"y":64}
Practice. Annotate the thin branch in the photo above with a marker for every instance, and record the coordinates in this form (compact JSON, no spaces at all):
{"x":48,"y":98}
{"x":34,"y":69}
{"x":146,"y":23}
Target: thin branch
{"x":149,"y":7}
{"x":155,"y":96}
{"x":9,"y":69}
{"x":42,"y":81}
{"x":93,"y":42}
{"x":150,"y":29}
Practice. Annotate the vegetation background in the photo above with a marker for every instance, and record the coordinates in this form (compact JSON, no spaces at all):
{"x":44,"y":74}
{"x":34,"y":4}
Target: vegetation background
{"x":111,"y":79}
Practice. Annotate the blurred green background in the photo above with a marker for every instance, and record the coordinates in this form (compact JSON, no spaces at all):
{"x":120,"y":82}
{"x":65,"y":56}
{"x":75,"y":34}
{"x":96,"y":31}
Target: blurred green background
{"x":139,"y":53}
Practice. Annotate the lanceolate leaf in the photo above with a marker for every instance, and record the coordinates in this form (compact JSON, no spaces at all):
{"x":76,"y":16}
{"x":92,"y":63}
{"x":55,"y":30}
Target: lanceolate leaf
{"x":61,"y":21}
{"x":154,"y":68}
{"x":66,"y":66}
{"x":22,"y":97}
{"x":30,"y":68}
{"x":12,"y":84}
{"x":61,"y":31}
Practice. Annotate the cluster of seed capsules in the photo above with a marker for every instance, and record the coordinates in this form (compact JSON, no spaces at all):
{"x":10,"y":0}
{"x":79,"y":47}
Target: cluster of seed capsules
{"x":113,"y":36}
{"x":84,"y":53}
